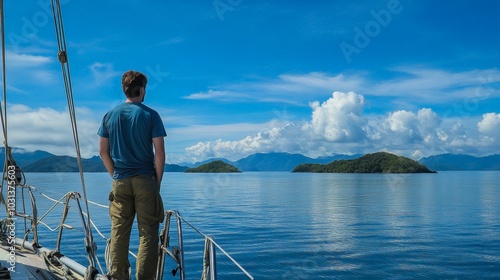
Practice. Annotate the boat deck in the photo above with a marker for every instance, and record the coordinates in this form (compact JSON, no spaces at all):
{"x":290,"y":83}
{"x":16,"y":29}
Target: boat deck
{"x":27,"y":265}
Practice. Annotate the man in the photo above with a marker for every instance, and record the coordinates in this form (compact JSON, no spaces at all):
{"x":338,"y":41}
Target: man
{"x":128,"y":134}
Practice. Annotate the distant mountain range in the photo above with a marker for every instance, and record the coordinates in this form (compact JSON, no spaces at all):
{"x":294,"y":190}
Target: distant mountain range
{"x":461,"y":162}
{"x":64,"y":164}
{"x":23,"y":157}
{"x":41,"y":161}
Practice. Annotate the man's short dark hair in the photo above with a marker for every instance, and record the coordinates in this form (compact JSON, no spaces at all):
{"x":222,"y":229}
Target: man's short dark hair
{"x":132,"y":82}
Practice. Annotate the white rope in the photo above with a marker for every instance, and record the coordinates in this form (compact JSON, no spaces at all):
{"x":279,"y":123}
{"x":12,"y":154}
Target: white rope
{"x":97,"y":204}
{"x":56,"y":202}
{"x":59,"y":201}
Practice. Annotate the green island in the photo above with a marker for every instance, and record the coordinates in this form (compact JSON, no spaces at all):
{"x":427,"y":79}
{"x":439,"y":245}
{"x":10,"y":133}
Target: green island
{"x":217,"y":166}
{"x":381,"y":162}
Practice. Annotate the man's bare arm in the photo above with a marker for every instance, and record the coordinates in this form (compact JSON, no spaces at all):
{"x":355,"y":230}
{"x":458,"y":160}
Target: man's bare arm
{"x":104,"y":152}
{"x":159,"y":145}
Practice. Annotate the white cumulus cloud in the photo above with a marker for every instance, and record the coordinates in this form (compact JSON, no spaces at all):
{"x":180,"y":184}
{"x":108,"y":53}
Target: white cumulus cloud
{"x":50,"y":130}
{"x":284,"y":138}
{"x":490,"y":125}
{"x":339,"y":119}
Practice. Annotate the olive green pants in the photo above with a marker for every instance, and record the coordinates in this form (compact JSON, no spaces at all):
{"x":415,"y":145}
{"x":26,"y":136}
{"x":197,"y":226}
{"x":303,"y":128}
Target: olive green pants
{"x":138,"y":194}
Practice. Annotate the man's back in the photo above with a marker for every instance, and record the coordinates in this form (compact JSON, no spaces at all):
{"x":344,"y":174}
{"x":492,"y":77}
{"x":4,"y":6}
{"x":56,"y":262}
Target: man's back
{"x":130,"y":128}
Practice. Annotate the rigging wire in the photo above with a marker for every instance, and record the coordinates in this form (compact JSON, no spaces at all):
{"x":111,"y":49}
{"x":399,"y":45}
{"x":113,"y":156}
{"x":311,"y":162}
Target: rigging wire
{"x":4,"y":111}
{"x":4,"y":82}
{"x":63,"y":59}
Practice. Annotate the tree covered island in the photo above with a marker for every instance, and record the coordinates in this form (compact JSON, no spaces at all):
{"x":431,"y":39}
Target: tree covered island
{"x":381,"y":162}
{"x":217,"y":166}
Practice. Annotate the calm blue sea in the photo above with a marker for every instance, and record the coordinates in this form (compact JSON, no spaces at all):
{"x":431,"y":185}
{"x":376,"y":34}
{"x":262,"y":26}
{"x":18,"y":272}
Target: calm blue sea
{"x":281,"y":225}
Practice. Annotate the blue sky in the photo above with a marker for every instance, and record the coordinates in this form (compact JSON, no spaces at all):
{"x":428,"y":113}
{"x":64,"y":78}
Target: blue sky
{"x":233,"y":77}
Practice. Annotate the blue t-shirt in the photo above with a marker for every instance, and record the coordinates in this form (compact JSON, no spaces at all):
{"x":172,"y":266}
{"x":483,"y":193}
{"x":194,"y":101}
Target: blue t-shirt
{"x":130,"y":128}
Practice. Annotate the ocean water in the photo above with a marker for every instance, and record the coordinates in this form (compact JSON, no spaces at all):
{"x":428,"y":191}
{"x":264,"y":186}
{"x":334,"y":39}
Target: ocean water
{"x":281,"y":225}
